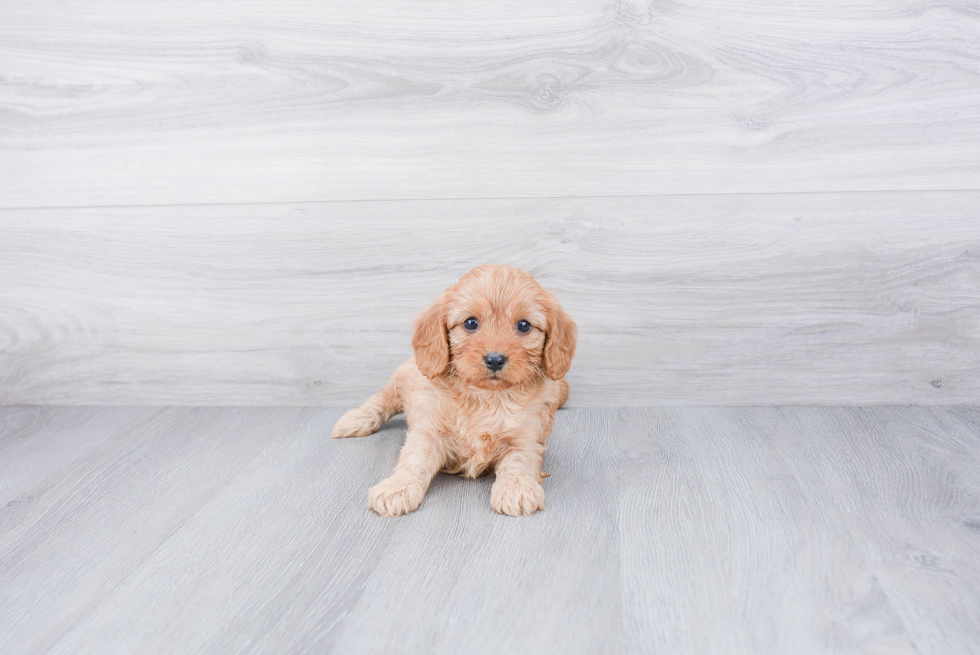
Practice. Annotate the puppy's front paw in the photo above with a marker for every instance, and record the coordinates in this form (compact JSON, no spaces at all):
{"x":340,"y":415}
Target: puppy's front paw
{"x":392,"y":497}
{"x":358,"y":422}
{"x":516,"y":496}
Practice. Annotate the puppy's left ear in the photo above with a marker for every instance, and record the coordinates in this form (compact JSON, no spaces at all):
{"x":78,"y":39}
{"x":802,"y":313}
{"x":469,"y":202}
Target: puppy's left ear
{"x":431,"y":341}
{"x":559,"y":345}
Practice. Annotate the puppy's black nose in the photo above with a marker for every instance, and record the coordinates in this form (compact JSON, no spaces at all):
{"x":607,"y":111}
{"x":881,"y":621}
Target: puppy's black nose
{"x":494,"y":361}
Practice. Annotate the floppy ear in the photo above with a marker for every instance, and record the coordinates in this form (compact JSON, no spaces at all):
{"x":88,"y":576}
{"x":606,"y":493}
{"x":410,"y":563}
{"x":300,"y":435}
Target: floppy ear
{"x":559,"y":345}
{"x":431,"y":341}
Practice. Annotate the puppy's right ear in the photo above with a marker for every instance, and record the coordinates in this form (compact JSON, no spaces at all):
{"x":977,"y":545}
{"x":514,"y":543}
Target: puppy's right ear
{"x":559,"y":348}
{"x":431,"y":341}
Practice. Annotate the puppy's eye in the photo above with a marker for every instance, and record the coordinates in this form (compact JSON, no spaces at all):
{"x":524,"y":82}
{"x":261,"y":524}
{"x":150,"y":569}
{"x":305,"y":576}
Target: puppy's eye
{"x":523,"y":326}
{"x":471,"y":324}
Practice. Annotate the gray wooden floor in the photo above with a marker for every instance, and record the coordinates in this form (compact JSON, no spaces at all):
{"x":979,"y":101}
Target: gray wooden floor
{"x":677,"y":530}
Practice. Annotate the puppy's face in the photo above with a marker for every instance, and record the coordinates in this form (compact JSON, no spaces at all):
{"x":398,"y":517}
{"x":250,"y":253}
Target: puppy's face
{"x":494,"y":329}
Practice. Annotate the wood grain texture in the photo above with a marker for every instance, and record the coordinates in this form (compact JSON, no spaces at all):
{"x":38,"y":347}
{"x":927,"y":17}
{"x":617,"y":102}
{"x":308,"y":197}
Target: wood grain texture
{"x":807,"y":299}
{"x":910,"y":521}
{"x":804,"y":530}
{"x":184,"y":102}
{"x":723,"y":508}
{"x":32,"y":442}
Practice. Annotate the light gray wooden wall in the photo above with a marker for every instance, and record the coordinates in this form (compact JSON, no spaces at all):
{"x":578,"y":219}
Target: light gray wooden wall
{"x":248,"y":202}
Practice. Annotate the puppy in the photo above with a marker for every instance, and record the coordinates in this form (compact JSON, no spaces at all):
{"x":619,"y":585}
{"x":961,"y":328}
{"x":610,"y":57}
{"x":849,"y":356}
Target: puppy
{"x":480,"y":393}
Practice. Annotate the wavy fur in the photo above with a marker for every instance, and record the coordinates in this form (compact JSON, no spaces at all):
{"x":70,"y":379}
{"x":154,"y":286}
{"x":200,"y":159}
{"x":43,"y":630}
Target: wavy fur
{"x":462,"y":417}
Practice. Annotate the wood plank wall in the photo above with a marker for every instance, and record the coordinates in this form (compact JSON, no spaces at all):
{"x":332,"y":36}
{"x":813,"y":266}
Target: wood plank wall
{"x":246,"y":203}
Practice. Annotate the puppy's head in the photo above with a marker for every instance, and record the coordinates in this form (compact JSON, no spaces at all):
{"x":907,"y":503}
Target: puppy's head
{"x":494,"y":329}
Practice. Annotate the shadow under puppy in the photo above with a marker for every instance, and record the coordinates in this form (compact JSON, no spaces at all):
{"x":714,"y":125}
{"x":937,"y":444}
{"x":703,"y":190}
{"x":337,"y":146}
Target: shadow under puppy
{"x":480,"y":393}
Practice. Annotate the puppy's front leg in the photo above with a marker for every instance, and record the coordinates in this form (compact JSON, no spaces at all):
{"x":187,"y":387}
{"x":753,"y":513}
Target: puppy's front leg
{"x":517,"y":491}
{"x":421,"y":458}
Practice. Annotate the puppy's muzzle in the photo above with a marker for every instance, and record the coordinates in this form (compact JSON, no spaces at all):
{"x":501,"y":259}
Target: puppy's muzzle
{"x":494,"y":361}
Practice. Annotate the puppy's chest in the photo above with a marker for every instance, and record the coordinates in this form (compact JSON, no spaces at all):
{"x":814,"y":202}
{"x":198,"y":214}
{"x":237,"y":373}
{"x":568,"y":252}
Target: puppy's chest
{"x":483,"y":432}
{"x":483,"y":429}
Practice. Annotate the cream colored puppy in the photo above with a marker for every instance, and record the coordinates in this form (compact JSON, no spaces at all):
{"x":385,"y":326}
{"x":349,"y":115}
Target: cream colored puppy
{"x":480,"y":393}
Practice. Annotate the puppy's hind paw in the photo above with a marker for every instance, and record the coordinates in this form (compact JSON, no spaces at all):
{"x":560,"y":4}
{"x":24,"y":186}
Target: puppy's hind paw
{"x":358,"y":422}
{"x":516,"y":496}
{"x":392,"y":497}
